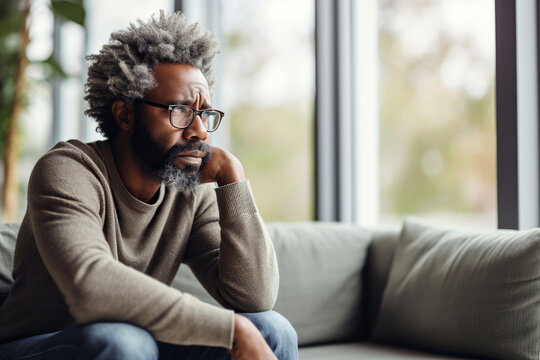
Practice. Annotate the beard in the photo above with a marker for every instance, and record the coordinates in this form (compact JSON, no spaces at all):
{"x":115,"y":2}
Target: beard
{"x":159,"y":162}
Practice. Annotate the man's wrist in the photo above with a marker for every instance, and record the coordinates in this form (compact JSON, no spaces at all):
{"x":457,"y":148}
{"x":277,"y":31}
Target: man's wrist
{"x":234,"y":200}
{"x":230,"y":181}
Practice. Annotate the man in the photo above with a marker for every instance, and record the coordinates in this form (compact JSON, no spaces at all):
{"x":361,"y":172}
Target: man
{"x":108,"y":223}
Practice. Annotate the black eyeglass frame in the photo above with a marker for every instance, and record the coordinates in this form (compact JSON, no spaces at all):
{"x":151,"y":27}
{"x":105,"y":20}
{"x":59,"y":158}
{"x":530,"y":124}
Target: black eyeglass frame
{"x":195,"y":113}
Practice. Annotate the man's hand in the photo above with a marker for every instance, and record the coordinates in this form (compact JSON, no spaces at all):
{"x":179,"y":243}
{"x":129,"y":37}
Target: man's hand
{"x":223,"y":168}
{"x":248,"y":343}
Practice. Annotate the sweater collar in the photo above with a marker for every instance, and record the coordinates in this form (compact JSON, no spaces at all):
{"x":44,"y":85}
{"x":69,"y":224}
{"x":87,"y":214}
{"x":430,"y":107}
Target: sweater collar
{"x":120,"y":188}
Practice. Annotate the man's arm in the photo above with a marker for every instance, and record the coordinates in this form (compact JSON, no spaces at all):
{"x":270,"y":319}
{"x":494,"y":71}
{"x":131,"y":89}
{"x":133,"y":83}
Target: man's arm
{"x":229,"y":250}
{"x":235,"y":260}
{"x":66,"y":202}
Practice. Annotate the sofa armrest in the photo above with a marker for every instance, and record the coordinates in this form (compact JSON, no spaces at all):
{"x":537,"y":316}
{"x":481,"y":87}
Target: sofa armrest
{"x":8,"y":239}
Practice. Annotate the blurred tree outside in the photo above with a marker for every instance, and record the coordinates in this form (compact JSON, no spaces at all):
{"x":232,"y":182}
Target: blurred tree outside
{"x":14,"y":38}
{"x":14,"y":41}
{"x":273,"y":145}
{"x":437,"y":109}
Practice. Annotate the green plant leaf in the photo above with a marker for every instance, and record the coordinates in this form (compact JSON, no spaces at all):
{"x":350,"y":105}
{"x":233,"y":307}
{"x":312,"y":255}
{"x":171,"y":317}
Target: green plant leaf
{"x":55,"y":67}
{"x":10,"y":23}
{"x":69,"y":10}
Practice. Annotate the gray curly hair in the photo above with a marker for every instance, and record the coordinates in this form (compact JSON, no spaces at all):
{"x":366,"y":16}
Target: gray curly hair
{"x":123,"y":69}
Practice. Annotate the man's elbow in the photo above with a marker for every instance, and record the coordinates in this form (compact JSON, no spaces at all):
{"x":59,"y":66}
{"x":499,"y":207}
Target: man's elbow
{"x":264,"y":299}
{"x":258,"y":304}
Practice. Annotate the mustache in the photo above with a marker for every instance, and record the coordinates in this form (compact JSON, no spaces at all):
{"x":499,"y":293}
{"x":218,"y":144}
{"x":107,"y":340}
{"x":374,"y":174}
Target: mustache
{"x":179,"y":148}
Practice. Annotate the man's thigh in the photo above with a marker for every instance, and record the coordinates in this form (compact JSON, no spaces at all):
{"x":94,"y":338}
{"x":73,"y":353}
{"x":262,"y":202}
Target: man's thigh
{"x":95,"y":341}
{"x":125,"y":341}
{"x":45,"y":346}
{"x":104,"y":341}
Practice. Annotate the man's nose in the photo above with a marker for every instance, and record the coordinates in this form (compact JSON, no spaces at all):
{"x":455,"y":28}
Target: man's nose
{"x":196,"y":130}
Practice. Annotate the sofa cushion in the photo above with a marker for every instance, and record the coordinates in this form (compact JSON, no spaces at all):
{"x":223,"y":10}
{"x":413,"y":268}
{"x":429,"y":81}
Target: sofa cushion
{"x":464,"y":292}
{"x":377,"y":270}
{"x":8,"y":237}
{"x":321,"y":268}
{"x":320,"y":291}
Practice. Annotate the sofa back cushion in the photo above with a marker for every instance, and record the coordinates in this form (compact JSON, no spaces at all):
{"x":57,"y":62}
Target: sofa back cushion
{"x":464,"y":292}
{"x":376,"y":272}
{"x":320,"y":266}
{"x":8,"y":238}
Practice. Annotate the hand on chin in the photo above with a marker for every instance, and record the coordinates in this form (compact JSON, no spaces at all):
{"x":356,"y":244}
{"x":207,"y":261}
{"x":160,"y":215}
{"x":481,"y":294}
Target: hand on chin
{"x":223,"y":168}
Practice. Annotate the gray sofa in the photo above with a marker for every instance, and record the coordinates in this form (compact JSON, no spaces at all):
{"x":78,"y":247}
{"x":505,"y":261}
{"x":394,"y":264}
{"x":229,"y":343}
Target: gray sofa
{"x":332,"y":278}
{"x":420,"y":292}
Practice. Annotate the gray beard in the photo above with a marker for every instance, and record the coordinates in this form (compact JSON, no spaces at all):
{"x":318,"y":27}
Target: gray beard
{"x":160,"y":162}
{"x":178,"y":178}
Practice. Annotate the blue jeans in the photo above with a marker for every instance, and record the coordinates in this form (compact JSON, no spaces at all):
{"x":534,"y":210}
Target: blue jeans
{"x":100,"y":341}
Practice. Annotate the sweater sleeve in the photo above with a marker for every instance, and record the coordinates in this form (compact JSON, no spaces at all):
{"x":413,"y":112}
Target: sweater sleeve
{"x":66,"y":195}
{"x":231,"y":253}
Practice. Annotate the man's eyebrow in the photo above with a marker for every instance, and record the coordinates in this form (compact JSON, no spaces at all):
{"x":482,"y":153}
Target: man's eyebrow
{"x":181,"y":102}
{"x":204,"y":105}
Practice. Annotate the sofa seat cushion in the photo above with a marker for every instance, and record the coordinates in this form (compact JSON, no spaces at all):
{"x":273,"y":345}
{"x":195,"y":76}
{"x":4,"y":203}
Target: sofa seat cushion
{"x":8,"y":237}
{"x":320,"y":267}
{"x":366,"y":351}
{"x":464,"y":292}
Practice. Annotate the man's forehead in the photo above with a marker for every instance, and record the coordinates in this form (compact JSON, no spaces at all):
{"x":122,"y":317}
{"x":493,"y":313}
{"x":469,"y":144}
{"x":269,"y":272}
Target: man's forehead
{"x":189,"y":94}
{"x":191,"y":99}
{"x":181,"y":83}
{"x":180,"y":72}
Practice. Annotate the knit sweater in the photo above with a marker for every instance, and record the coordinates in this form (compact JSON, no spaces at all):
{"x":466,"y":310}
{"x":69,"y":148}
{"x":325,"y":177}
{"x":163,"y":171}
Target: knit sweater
{"x":89,"y":251}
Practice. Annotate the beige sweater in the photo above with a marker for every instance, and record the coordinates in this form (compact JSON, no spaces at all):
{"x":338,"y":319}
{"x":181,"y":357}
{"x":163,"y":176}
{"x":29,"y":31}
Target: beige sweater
{"x":89,"y":251}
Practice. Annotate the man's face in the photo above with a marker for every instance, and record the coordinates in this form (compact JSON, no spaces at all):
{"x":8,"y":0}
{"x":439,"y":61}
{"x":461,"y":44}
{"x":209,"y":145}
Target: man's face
{"x":176,"y":156}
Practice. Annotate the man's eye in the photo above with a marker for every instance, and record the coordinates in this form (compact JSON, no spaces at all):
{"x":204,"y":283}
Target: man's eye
{"x":182,"y":110}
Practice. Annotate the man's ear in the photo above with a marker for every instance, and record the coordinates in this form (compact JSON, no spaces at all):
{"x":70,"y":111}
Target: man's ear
{"x":123,"y":114}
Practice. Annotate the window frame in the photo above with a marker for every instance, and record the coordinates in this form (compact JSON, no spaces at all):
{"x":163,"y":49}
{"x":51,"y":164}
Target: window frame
{"x":516,"y":29}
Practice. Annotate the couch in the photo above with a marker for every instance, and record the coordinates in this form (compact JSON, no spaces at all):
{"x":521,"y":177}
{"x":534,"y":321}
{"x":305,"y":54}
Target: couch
{"x":420,"y":292}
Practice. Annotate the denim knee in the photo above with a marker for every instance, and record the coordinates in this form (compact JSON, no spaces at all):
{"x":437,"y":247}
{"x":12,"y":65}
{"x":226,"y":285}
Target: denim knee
{"x":278,"y":333}
{"x":116,"y":341}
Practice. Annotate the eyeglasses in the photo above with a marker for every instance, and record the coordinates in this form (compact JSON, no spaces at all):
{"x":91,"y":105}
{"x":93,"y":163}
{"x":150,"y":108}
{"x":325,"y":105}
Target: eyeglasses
{"x":181,"y":116}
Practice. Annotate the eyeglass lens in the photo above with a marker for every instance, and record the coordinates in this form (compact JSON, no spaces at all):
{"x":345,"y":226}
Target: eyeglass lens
{"x":181,"y":117}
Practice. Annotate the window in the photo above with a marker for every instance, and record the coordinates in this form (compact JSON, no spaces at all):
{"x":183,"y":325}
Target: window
{"x":406,"y":92}
{"x":437,"y":153}
{"x":265,"y":85}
